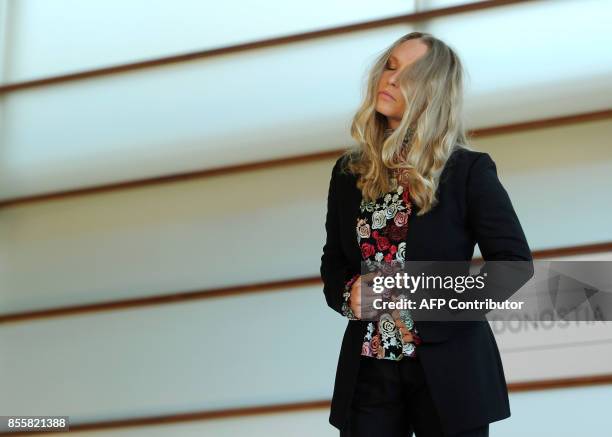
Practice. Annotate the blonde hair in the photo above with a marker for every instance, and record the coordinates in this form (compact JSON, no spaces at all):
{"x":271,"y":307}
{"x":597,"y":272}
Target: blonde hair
{"x":431,"y":129}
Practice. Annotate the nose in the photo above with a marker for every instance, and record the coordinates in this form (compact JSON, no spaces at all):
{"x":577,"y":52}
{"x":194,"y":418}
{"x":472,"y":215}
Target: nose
{"x":393,"y":78}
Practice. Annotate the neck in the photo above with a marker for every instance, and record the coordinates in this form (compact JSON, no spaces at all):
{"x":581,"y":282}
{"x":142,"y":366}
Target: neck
{"x":407,"y":138}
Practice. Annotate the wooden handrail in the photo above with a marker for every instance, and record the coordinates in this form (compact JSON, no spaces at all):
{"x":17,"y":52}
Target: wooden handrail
{"x":253,"y":45}
{"x":262,"y":287}
{"x":290,"y":407}
{"x":294,"y":160}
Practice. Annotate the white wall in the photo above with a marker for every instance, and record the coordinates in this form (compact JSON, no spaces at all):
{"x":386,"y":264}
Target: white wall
{"x":193,"y":235}
{"x":221,"y":111}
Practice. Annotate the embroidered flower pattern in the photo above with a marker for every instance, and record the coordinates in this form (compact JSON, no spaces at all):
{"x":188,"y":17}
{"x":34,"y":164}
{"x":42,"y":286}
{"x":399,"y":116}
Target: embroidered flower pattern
{"x":382,"y":229}
{"x":346,"y":308}
{"x":381,"y":232}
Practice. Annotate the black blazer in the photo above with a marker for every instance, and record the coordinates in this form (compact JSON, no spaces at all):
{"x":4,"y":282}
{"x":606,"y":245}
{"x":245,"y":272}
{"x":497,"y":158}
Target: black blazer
{"x":461,"y":360}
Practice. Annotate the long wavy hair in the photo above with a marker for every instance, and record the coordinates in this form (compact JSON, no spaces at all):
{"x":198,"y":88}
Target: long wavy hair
{"x":431,"y":128}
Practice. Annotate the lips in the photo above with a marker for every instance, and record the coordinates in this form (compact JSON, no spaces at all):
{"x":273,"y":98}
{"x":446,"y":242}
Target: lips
{"x":387,"y":94}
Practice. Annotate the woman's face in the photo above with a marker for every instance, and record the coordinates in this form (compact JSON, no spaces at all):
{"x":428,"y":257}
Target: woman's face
{"x":389,"y":99}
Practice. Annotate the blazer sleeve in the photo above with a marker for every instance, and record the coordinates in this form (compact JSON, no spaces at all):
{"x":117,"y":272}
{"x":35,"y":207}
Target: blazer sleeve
{"x":335,"y":269}
{"x":491,"y":215}
{"x":497,"y":231}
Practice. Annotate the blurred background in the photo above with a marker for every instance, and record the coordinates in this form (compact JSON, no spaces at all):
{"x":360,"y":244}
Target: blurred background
{"x":164,"y":168}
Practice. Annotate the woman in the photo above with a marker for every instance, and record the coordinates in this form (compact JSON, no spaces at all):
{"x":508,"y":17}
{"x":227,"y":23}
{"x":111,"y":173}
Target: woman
{"x":412,"y":189}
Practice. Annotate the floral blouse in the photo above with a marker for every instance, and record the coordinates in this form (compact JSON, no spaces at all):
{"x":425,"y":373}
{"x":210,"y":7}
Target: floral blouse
{"x":381,"y":232}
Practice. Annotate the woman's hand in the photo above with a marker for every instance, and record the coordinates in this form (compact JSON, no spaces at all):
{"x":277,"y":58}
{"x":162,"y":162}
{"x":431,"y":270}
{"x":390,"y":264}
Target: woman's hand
{"x":355,"y":302}
{"x":362,"y":301}
{"x":355,"y":299}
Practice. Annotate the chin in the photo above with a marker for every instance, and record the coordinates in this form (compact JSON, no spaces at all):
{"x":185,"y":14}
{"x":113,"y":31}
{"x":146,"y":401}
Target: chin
{"x":384,"y":110}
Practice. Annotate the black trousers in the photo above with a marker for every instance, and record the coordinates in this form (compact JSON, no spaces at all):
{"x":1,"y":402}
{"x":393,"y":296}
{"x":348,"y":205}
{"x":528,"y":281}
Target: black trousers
{"x":392,"y":400}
